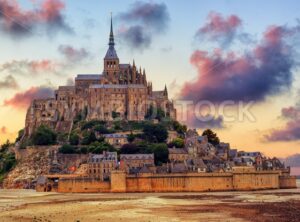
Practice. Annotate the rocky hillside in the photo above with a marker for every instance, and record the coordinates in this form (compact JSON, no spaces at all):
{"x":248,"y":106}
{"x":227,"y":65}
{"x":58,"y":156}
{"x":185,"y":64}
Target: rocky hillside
{"x":30,"y":164}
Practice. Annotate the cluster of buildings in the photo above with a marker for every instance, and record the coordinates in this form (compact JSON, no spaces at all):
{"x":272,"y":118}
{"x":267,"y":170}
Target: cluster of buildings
{"x":197,"y":156}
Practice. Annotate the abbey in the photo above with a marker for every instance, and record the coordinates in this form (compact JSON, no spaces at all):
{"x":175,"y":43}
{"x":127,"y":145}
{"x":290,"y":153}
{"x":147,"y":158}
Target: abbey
{"x":121,"y":91}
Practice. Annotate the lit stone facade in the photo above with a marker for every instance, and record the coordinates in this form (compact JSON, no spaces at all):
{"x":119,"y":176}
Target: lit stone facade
{"x":132,"y":162}
{"x":101,"y":165}
{"x":121,"y":90}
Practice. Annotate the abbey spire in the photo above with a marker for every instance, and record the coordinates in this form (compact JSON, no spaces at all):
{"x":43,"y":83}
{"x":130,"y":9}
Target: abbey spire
{"x":111,"y":52}
{"x":111,"y":60}
{"x":111,"y":35}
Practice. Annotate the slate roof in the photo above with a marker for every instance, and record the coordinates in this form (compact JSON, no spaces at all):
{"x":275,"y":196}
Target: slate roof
{"x":136,"y":156}
{"x":89,"y":77}
{"x":116,"y":86}
{"x":116,"y":135}
{"x":177,"y":151}
{"x":179,"y":168}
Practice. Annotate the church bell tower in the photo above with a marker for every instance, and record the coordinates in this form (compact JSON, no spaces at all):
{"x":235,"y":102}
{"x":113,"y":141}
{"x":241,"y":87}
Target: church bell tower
{"x":111,"y":60}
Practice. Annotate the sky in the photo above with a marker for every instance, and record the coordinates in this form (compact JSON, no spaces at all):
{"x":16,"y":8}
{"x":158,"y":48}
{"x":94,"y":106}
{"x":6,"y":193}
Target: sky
{"x":237,"y":52}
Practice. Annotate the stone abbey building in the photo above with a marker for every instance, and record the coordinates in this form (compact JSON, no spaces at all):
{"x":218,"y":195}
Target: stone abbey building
{"x":121,"y":91}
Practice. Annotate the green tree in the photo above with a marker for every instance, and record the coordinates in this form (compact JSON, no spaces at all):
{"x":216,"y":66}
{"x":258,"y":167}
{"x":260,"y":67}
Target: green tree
{"x":178,"y":143}
{"x":212,"y":137}
{"x":83,"y":150}
{"x":67,"y":149}
{"x":101,"y":129}
{"x":88,"y":138}
{"x":180,"y":129}
{"x":161,"y":153}
{"x":130,"y":137}
{"x":74,"y":139}
{"x":155,"y":133}
{"x":99,"y":147}
{"x":5,"y":146}
{"x":130,"y":148}
{"x":44,"y":136}
{"x":20,"y":135}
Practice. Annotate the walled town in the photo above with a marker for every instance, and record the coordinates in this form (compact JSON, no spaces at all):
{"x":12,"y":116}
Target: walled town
{"x":112,"y":133}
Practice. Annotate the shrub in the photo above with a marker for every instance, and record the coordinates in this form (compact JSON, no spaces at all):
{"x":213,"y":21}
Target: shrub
{"x":178,"y":143}
{"x":99,"y":147}
{"x":130,"y":149}
{"x":155,"y":133}
{"x":88,"y":138}
{"x":44,"y":136}
{"x":20,"y":135}
{"x":67,"y":149}
{"x":130,"y":138}
{"x":161,"y":153}
{"x":74,"y":139}
{"x":101,"y":129}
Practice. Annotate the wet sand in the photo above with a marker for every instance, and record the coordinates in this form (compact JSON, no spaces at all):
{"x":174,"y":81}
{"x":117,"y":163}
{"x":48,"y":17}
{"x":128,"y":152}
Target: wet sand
{"x":258,"y":206}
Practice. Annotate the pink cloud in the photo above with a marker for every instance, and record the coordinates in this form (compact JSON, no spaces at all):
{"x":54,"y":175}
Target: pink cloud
{"x":264,"y":71}
{"x":218,"y":27}
{"x":73,"y":54}
{"x":18,"y":21}
{"x":291,"y":130}
{"x":22,"y":100}
{"x":30,"y":67}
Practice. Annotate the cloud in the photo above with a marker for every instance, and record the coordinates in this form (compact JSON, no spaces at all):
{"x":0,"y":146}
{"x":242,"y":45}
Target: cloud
{"x":70,"y":82}
{"x":136,"y":37}
{"x":22,"y":100}
{"x":30,"y":67}
{"x":198,"y":117}
{"x":72,"y":54}
{"x":293,"y":160}
{"x":9,"y":82}
{"x":265,"y":70}
{"x":19,"y":22}
{"x":219,"y":28}
{"x":142,"y":22}
{"x":291,"y":130}
{"x":3,"y":130}
{"x":208,"y":121}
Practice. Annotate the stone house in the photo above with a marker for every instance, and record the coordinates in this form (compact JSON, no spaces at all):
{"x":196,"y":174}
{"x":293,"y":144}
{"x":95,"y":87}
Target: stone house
{"x":117,"y":139}
{"x":101,"y":165}
{"x":178,"y":155}
{"x":132,"y":163}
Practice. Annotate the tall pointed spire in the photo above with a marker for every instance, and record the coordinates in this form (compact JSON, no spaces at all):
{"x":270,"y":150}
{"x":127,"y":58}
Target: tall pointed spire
{"x":111,"y":35}
{"x":166,"y":91}
{"x":111,"y":52}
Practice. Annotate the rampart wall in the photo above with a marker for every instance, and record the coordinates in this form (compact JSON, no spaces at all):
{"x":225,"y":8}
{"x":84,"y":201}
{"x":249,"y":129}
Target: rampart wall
{"x":82,"y":185}
{"x":189,"y":182}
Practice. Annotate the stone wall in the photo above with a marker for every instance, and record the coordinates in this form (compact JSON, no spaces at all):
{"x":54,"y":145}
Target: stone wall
{"x":83,"y":185}
{"x":287,"y":182}
{"x":192,"y":182}
{"x":189,"y":182}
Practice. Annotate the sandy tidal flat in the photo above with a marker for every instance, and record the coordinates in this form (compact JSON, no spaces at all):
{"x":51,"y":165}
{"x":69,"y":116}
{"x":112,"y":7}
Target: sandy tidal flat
{"x":260,"y":206}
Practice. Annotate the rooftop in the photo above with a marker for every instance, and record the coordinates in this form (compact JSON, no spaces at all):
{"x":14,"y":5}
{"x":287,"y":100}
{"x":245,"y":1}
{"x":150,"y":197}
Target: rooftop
{"x":116,"y":86}
{"x":89,"y":77}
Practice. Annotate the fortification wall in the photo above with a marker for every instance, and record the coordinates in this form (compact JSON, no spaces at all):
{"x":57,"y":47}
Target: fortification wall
{"x":179,"y":182}
{"x":193,"y":182}
{"x":190,"y":182}
{"x":83,"y":185}
{"x":287,"y":182}
{"x":256,"y":180}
